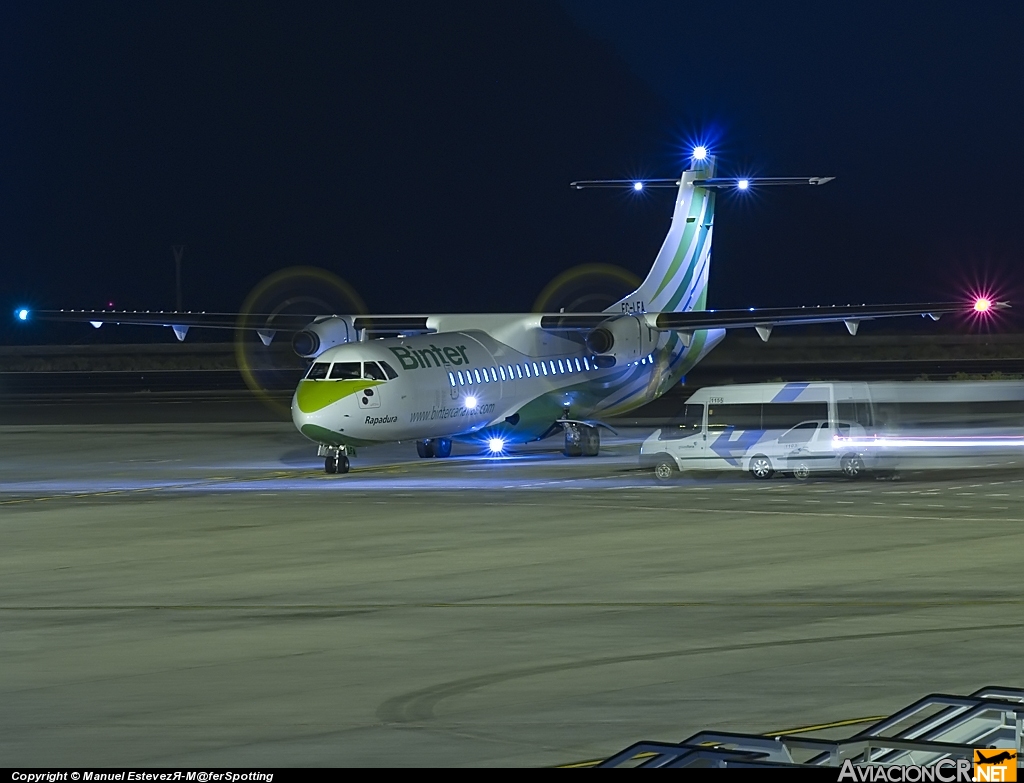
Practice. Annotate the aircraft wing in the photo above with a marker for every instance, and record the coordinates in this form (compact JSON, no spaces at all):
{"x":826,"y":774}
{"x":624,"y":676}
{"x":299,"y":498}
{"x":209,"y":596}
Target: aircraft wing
{"x":764,"y":319}
{"x":761,"y":319}
{"x":283,"y":322}
{"x":266,"y":325}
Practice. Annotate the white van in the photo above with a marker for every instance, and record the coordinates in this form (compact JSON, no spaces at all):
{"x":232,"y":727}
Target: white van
{"x":767,"y":428}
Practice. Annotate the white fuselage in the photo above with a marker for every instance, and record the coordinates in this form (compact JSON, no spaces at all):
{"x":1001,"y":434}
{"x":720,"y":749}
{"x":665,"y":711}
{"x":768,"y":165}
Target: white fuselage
{"x":457,"y":383}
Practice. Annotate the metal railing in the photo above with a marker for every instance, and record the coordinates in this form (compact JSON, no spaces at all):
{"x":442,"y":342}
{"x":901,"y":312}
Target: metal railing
{"x":939,"y":726}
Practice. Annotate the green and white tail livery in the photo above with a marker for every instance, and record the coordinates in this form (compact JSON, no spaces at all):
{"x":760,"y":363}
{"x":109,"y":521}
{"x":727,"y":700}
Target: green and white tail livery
{"x":678,"y":280}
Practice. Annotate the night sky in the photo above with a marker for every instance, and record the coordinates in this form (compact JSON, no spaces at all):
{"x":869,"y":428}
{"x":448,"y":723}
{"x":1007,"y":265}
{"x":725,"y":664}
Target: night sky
{"x":423,"y":151}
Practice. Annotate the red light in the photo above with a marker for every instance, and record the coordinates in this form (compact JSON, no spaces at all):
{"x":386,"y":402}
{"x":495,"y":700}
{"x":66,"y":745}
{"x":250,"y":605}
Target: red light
{"x":982,"y":304}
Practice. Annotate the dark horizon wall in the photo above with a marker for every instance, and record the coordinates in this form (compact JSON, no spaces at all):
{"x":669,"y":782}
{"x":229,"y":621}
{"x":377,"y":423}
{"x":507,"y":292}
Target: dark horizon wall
{"x":424,"y":153}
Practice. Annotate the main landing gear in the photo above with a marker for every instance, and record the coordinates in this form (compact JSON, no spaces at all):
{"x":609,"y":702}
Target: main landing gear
{"x":335,"y":458}
{"x":434,"y":447}
{"x":581,"y":440}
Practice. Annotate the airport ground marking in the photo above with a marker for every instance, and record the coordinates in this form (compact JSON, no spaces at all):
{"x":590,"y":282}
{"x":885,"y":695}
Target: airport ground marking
{"x":461,"y":605}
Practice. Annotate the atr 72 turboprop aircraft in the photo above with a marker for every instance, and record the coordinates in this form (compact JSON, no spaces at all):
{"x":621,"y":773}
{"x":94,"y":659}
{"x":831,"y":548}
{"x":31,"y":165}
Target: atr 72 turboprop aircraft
{"x":499,"y":379}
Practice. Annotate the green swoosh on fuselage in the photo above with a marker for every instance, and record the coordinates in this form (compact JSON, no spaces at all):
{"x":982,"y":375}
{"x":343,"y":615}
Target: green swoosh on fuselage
{"x":314,"y":395}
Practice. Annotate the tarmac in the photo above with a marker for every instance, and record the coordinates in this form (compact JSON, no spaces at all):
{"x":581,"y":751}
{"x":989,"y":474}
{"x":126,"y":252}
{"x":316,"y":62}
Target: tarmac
{"x":203,"y":595}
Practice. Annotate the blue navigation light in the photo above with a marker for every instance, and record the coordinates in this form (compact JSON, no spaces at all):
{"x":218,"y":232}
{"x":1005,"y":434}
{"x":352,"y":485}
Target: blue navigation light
{"x":496,"y":445}
{"x":638,"y":186}
{"x":743,"y":184}
{"x":471,"y":402}
{"x":21,"y":314}
{"x":700,"y":152}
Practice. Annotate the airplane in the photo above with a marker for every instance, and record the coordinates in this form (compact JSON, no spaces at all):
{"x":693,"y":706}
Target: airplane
{"x":500,"y":379}
{"x":1005,"y":755}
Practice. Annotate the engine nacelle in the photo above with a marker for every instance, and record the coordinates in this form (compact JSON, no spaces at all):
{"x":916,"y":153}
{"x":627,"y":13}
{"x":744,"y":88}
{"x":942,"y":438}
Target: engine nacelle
{"x":322,"y":334}
{"x":625,"y":338}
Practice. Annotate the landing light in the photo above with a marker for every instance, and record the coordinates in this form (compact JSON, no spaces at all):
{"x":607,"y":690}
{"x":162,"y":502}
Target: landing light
{"x":743,"y":184}
{"x":471,"y":402}
{"x":21,"y":314}
{"x":496,"y":445}
{"x":700,"y":153}
{"x":638,"y":186}
{"x":981,"y":305}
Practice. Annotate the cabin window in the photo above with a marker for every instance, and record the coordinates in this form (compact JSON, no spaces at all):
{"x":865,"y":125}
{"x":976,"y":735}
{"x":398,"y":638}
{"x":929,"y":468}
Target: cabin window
{"x":477,"y":374}
{"x":586,"y":363}
{"x":552,"y":363}
{"x":346,"y":371}
{"x":510,"y":375}
{"x":487,"y":378}
{"x":801,"y":433}
{"x":462,"y":382}
{"x":494,"y":375}
{"x":578,"y":368}
{"x":373,"y":371}
{"x":451,"y":378}
{"x":519,"y":371}
{"x":389,"y":371}
{"x":527,"y":368}
{"x":857,"y":411}
{"x":501,"y":371}
{"x":318,"y":371}
{"x":543,"y":367}
{"x":783,"y":415}
{"x":739,"y":416}
{"x":690,"y":422}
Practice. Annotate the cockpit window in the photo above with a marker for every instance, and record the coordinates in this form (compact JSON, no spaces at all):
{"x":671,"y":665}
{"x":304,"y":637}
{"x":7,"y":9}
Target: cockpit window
{"x":389,"y":370}
{"x":372,"y":371}
{"x":343,"y":371}
{"x":318,"y":371}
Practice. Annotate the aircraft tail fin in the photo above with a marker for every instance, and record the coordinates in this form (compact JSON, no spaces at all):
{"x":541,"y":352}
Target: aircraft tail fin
{"x":678,"y":280}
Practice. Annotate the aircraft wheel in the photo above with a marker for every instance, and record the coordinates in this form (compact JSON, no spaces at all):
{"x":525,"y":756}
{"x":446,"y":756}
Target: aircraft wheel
{"x":802,"y":472}
{"x":852,"y":466}
{"x":573,"y":441}
{"x":343,"y":465}
{"x":590,"y":441}
{"x":665,"y":470}
{"x":761,"y":468}
{"x":331,"y":465}
{"x":425,"y":448}
{"x":442,"y":447}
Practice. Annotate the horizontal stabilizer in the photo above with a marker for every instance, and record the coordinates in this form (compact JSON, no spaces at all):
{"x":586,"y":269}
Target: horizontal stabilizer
{"x":715,"y":183}
{"x":749,"y":182}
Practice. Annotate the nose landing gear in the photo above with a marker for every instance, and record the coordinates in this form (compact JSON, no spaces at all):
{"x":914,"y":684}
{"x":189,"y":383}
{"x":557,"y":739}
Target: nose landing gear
{"x":335,"y":458}
{"x":337,"y":464}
